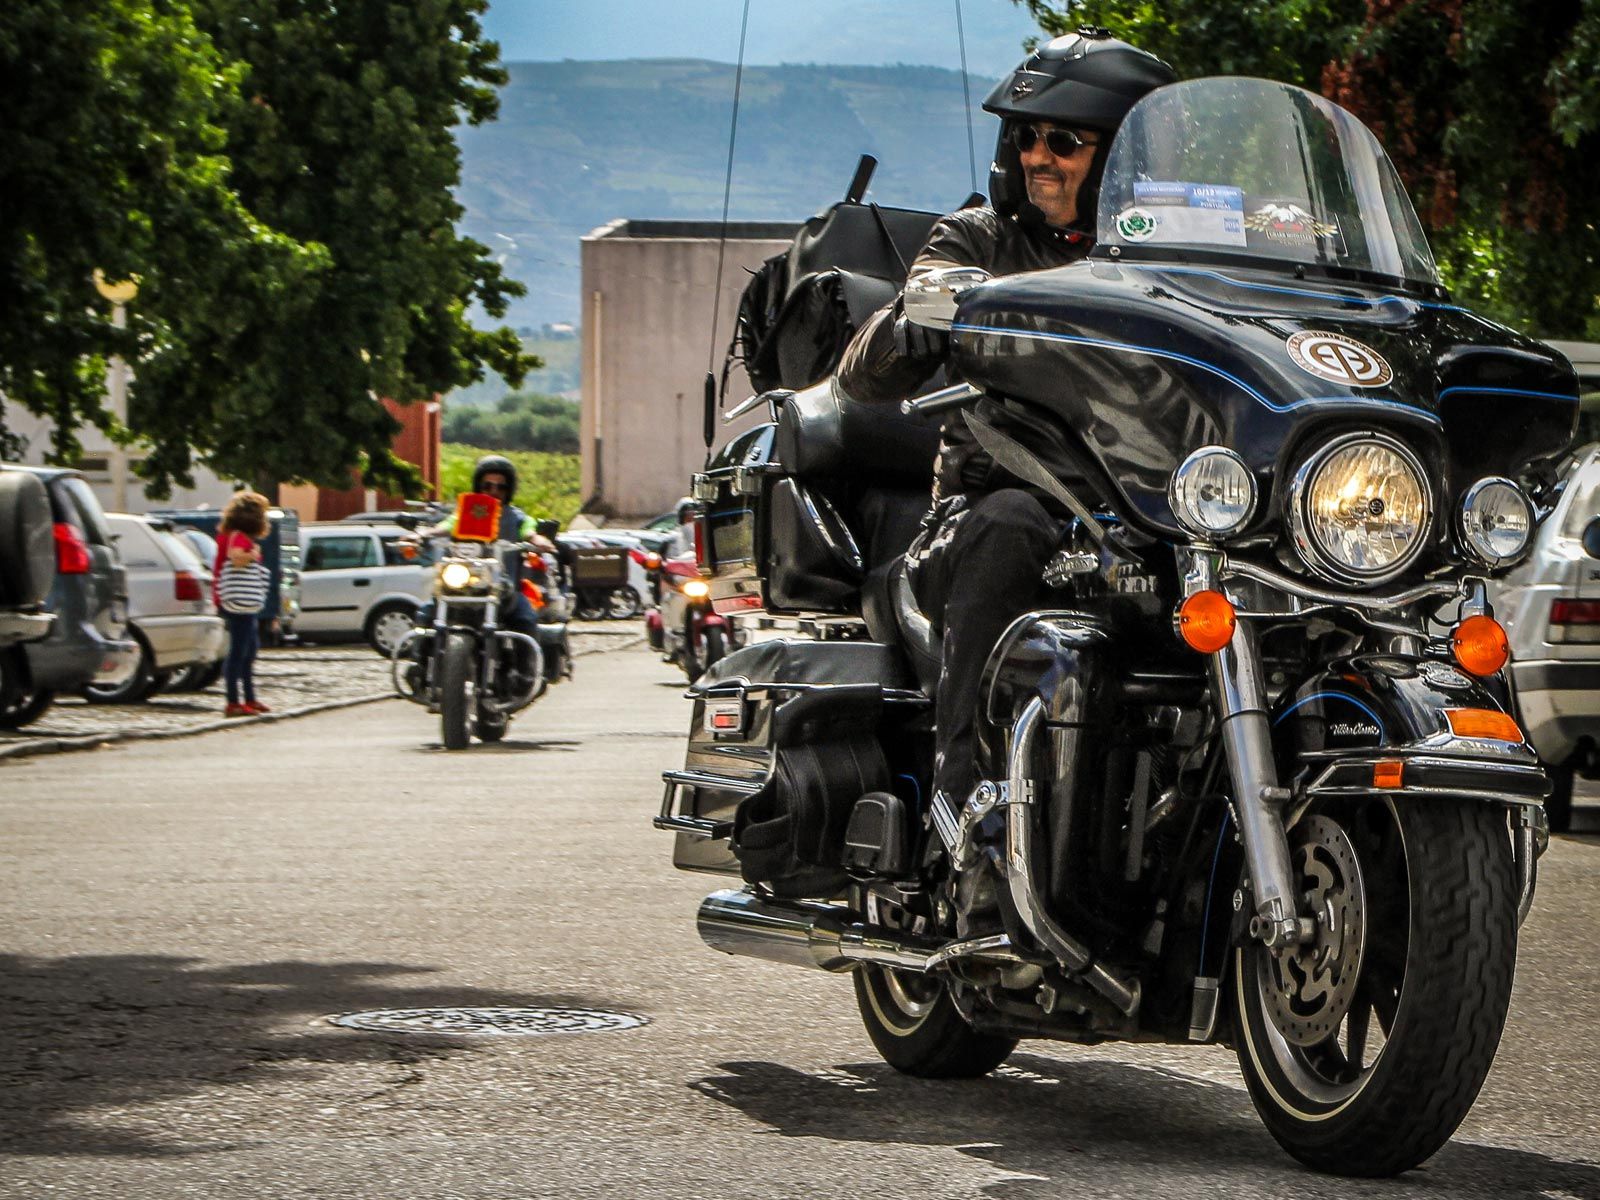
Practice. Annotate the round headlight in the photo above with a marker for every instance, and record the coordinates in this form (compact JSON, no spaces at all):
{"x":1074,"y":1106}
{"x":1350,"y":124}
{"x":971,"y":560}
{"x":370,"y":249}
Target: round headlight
{"x":455,"y":575}
{"x":1359,"y":509}
{"x":1212,"y":492}
{"x":1496,"y":521}
{"x":696,"y":589}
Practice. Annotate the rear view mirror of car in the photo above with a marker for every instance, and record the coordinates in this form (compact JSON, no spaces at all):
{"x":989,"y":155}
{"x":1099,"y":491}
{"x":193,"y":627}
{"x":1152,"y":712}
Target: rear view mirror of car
{"x":1591,"y":538}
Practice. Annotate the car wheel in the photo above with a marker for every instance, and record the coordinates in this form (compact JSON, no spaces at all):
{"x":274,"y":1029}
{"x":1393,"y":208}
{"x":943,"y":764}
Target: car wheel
{"x":196,"y":677}
{"x":24,"y":708}
{"x":388,"y":626}
{"x":135,"y":688}
{"x":622,"y":603}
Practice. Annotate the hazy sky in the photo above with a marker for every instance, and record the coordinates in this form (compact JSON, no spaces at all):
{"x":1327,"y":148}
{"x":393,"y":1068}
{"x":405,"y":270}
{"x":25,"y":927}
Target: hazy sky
{"x":807,"y":31}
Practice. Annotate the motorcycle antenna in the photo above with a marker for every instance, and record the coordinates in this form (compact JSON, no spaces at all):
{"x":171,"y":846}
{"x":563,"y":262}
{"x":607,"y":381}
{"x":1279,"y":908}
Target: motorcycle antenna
{"x":966,"y":97}
{"x":722,"y":243}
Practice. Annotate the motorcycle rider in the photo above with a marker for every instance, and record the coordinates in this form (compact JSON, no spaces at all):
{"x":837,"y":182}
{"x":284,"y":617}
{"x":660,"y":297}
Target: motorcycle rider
{"x":977,"y":562}
{"x":495,"y":475}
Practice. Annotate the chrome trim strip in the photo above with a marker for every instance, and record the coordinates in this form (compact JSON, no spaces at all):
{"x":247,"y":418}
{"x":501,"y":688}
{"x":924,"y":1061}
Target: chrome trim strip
{"x":718,"y":783}
{"x":1381,"y":603}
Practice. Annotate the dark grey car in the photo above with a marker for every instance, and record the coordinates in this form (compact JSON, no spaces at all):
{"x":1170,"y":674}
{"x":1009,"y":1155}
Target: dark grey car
{"x":88,"y":641}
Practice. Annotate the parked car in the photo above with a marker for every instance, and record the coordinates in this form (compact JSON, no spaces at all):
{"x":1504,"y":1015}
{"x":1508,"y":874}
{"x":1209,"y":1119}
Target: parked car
{"x":27,"y":573}
{"x":356,"y":581}
{"x":171,"y":614}
{"x":88,"y":642}
{"x":280,"y":551}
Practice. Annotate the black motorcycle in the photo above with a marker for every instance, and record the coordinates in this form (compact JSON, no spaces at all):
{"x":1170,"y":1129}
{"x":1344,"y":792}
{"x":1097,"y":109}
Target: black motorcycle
{"x":463,"y":665}
{"x":1254,"y":776}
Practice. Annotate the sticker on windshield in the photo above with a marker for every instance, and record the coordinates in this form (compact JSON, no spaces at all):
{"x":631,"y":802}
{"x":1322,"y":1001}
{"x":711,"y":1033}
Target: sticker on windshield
{"x":1339,"y":359}
{"x":1136,"y":224}
{"x":1290,"y":225}
{"x":1173,"y":212}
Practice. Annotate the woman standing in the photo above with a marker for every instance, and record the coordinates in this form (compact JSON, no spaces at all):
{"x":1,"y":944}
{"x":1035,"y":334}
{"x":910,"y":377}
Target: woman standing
{"x":241,"y":586}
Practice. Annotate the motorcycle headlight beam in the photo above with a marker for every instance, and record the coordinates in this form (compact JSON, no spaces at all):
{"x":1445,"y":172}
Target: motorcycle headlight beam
{"x":697,"y":589}
{"x":1496,"y":521}
{"x":455,"y":575}
{"x":1213,"y":493}
{"x":1360,"y":509}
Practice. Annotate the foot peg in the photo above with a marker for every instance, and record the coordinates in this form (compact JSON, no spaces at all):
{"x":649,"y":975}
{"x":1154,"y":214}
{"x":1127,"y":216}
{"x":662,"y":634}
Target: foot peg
{"x":878,"y":837}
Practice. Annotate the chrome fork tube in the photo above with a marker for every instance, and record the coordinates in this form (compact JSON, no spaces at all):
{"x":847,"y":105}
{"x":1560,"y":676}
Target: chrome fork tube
{"x":1246,"y":739}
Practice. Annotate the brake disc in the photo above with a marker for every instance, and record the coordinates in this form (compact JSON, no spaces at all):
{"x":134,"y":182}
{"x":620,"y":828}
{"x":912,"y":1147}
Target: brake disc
{"x":1309,"y":990}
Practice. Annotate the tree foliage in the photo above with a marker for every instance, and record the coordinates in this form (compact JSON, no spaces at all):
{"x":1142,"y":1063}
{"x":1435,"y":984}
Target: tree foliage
{"x":520,"y":421}
{"x":280,"y":175}
{"x":1491,"y":111}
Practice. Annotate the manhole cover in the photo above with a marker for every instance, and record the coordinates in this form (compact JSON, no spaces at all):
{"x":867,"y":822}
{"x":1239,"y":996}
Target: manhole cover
{"x":489,"y":1022}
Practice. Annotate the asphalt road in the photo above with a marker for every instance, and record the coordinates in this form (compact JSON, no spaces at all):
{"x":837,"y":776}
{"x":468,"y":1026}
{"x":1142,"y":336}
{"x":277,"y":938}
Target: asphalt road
{"x":182,"y":918}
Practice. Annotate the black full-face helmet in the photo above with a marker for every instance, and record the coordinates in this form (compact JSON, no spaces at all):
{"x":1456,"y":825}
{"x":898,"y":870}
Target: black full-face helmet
{"x":1086,"y":80}
{"x":495,"y":464}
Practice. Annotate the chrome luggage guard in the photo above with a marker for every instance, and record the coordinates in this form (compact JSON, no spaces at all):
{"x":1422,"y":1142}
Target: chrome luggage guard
{"x":523,"y":700}
{"x":401,"y":656}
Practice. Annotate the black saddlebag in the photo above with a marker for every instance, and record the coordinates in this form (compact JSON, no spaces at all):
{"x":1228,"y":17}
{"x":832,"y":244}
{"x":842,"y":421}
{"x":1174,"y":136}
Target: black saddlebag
{"x":786,"y":737}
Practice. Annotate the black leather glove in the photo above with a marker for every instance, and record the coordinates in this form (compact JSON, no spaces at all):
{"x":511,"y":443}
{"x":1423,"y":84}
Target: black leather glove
{"x":921,"y":344}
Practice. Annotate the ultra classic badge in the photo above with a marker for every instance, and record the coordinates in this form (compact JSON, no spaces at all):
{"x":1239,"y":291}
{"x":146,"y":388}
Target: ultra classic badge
{"x":1334,"y":357}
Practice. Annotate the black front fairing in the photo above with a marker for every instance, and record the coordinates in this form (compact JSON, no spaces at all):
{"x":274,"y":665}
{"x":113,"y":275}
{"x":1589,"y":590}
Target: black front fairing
{"x":1146,"y":362}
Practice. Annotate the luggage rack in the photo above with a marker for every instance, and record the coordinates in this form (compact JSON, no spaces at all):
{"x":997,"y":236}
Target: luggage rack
{"x":670,"y":818}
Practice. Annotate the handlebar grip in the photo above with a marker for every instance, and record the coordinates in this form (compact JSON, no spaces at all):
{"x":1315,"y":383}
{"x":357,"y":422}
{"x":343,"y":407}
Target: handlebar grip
{"x":943,"y":400}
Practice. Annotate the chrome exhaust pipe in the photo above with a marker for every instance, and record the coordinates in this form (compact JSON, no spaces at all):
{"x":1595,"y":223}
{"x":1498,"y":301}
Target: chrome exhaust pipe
{"x":802,"y":933}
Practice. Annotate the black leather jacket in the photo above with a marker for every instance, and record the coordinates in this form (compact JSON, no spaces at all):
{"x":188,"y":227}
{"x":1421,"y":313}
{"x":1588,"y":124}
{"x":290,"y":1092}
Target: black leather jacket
{"x":873,"y":371}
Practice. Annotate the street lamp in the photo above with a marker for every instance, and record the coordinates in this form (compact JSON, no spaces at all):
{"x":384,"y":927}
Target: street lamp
{"x":121,"y":293}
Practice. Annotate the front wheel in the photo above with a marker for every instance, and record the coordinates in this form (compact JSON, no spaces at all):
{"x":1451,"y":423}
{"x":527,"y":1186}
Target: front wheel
{"x":1364,"y":1049}
{"x":455,"y":690}
{"x":716,"y":646}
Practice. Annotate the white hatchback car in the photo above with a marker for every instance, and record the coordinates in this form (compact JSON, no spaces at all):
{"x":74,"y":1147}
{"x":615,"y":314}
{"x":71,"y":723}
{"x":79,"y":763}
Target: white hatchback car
{"x":170,"y":610}
{"x":356,"y":582}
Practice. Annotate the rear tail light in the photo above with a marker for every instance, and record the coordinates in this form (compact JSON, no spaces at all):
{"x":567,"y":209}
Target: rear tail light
{"x":702,"y":557}
{"x":72,"y":552}
{"x":186,"y":586}
{"x":1574,"y":620}
{"x":1574,"y":612}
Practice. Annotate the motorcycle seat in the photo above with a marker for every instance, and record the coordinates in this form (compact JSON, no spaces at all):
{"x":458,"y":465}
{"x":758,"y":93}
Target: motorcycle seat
{"x":893,"y":617}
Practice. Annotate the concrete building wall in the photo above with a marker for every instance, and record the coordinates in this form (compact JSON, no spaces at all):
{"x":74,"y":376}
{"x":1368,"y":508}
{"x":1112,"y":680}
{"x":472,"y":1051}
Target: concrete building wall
{"x":647,"y":318}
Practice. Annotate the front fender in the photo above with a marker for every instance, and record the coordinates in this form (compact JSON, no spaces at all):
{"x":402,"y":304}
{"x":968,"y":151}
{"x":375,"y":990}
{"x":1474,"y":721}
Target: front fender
{"x":1333,"y":730}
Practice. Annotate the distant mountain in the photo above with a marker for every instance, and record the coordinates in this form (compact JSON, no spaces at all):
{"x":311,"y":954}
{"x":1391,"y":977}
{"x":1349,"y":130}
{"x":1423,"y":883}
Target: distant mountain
{"x":579,"y":144}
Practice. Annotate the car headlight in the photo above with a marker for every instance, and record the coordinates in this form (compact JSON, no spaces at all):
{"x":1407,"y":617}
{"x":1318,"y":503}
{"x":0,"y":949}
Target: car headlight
{"x":1359,"y":509}
{"x":1496,"y":521}
{"x":1212,"y":492}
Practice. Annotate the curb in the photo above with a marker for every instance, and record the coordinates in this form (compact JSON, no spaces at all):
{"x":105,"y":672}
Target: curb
{"x":92,"y":741}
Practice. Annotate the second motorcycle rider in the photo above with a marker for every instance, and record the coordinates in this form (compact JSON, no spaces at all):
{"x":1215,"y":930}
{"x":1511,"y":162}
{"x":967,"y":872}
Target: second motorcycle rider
{"x":976,"y":565}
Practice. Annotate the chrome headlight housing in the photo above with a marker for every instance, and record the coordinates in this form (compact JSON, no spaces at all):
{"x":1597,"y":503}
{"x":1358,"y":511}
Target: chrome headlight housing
{"x":1496,"y":521}
{"x":1212,"y":493}
{"x":1360,"y":509}
{"x":463,"y":578}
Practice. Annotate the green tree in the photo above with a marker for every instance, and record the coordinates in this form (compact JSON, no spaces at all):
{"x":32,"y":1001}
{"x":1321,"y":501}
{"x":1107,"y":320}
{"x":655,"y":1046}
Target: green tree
{"x":343,"y":136}
{"x":1491,"y":111}
{"x":111,"y":157}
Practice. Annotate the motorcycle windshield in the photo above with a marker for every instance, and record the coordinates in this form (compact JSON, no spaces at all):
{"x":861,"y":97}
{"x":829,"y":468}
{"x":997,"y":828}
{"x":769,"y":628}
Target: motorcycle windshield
{"x":1262,"y":174}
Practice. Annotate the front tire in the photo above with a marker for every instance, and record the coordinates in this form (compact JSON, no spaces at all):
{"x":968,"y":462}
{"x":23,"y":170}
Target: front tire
{"x":716,"y":647}
{"x":1364,"y":1051}
{"x":455,"y":688}
{"x":623,"y":602}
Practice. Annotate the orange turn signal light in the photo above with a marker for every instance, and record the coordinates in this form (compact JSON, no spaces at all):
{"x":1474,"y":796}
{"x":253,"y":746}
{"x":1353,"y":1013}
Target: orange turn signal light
{"x":1206,"y":621}
{"x":1389,"y":773}
{"x":1480,"y":646}
{"x":1483,"y":723}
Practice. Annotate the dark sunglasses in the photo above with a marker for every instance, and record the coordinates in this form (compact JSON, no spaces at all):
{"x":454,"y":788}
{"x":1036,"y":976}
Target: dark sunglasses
{"x":1063,"y":143}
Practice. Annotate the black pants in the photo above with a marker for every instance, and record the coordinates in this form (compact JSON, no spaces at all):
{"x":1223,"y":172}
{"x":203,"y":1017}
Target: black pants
{"x":975,"y":567}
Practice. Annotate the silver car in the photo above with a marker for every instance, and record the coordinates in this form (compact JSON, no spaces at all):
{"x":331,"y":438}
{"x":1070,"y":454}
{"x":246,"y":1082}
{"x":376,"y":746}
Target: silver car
{"x":171,"y":613}
{"x":356,"y":581}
